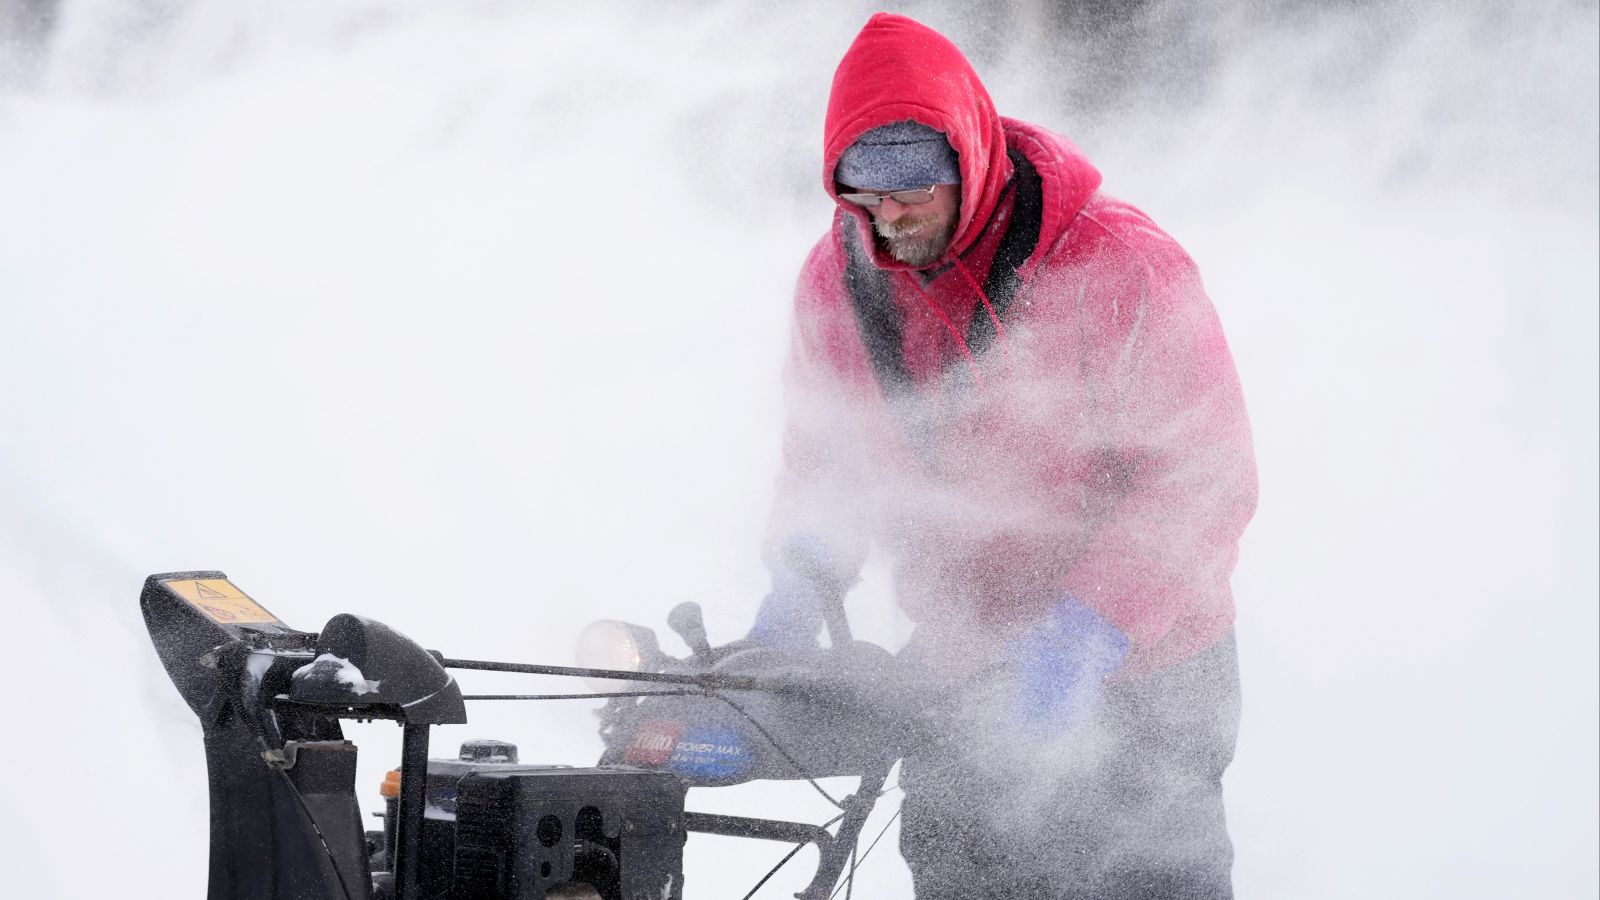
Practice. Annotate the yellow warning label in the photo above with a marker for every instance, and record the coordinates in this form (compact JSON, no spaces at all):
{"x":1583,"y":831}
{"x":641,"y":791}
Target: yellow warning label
{"x":221,"y":601}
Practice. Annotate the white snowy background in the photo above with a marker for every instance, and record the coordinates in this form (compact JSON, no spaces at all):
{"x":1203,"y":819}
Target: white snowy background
{"x":469,"y":316}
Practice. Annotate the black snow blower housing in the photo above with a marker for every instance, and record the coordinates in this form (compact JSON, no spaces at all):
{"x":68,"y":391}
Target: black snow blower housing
{"x":285,"y":822}
{"x":286,"y":825}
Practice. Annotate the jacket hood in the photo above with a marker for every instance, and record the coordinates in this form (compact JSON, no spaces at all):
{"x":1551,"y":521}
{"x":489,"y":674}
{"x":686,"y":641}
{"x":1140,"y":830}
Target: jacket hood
{"x":899,"y":69}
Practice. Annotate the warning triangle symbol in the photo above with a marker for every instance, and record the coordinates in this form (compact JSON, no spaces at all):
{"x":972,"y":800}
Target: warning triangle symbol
{"x":207,"y":593}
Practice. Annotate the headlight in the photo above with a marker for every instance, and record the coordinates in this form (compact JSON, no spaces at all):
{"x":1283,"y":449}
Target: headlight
{"x":609,"y":644}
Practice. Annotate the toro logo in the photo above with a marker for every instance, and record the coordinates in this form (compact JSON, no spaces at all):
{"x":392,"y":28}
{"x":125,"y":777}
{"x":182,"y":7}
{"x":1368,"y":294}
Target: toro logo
{"x":653,"y":743}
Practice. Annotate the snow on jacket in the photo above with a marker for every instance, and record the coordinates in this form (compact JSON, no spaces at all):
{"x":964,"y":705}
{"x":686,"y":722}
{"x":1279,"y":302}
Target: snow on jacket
{"x":1097,"y":447}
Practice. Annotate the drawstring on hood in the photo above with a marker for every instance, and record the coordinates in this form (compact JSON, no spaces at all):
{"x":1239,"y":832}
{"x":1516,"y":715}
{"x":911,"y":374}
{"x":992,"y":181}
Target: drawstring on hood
{"x":949,"y":324}
{"x":999,"y":330}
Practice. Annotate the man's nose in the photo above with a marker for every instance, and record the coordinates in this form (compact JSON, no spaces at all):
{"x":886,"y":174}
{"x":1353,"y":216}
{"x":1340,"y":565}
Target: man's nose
{"x":891,"y":209}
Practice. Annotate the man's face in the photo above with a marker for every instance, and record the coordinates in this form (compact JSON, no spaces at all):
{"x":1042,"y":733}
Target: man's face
{"x":917,"y":234}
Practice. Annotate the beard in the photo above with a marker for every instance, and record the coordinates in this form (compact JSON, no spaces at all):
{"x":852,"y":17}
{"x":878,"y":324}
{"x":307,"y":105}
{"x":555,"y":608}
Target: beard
{"x":917,"y":241}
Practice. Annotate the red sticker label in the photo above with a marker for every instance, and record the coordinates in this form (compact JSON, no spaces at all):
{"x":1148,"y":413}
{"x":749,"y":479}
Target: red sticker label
{"x":653,"y":743}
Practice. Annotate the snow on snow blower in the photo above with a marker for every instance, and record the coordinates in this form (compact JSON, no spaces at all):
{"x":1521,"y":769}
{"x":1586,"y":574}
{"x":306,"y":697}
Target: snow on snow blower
{"x":285,"y":822}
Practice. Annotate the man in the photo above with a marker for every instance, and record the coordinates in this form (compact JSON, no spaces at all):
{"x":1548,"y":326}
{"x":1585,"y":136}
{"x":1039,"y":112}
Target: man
{"x":1015,"y":387}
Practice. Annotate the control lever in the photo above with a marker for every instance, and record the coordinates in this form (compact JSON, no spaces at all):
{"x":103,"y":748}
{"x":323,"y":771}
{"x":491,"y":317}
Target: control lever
{"x":687,"y":622}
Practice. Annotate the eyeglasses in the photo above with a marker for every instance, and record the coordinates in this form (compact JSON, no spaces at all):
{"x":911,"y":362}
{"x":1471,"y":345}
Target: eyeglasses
{"x":874,"y":198}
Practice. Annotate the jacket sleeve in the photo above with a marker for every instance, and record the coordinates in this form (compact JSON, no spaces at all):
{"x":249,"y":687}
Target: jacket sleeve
{"x":825,"y":399}
{"x":1172,"y":471}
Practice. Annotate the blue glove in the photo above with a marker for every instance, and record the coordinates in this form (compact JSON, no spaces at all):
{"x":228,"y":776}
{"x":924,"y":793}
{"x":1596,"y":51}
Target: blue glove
{"x":791,"y":615}
{"x":1060,"y":665}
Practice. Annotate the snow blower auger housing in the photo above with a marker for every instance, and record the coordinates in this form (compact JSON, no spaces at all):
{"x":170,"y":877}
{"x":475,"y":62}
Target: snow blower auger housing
{"x":286,"y":823}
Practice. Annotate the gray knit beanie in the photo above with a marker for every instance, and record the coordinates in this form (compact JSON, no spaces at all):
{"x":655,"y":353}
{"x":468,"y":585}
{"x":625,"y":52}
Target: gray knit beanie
{"x":900,"y":156}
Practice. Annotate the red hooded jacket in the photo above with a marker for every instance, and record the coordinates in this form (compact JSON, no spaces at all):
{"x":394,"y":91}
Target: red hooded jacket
{"x":1097,"y":446}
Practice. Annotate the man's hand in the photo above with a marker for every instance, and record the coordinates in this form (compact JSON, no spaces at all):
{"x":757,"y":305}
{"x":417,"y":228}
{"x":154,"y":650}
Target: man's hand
{"x":805,"y":577}
{"x":1060,"y":665}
